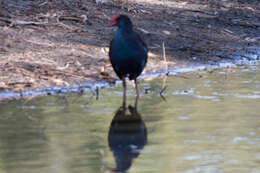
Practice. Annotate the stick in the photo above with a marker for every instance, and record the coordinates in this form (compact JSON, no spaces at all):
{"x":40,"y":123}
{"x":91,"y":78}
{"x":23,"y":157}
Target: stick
{"x":166,"y":72}
{"x":164,"y":58}
{"x":21,"y":22}
{"x":163,"y":88}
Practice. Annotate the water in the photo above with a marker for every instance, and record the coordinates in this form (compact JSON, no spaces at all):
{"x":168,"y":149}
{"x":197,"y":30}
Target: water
{"x":207,"y":122}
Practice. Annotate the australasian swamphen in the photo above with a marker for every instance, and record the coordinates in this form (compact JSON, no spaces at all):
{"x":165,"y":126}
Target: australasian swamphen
{"x":127,"y":52}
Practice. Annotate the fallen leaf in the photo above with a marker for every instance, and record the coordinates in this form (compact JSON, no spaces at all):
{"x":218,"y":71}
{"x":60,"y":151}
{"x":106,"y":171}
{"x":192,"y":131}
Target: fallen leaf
{"x":17,"y":89}
{"x":152,"y":55}
{"x":59,"y":81}
{"x":144,"y":31}
{"x":167,"y":32}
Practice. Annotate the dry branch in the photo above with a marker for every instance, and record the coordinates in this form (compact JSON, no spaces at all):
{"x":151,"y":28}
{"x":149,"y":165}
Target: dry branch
{"x":22,"y":22}
{"x":164,"y":58}
{"x":166,"y":72}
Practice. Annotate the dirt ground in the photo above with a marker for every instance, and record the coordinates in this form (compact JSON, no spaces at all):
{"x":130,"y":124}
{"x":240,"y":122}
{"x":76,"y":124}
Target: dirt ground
{"x":44,"y":43}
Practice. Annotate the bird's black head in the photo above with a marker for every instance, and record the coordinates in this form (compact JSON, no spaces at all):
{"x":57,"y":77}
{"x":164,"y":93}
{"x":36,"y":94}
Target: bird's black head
{"x":120,"y":21}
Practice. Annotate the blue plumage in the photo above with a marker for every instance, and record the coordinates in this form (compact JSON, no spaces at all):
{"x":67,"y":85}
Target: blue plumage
{"x":128,"y":53}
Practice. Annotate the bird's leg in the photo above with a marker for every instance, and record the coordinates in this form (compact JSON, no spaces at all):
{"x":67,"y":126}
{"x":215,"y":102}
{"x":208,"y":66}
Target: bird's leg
{"x":137,"y":93}
{"x":136,"y":88}
{"x":124,"y":91}
{"x":136,"y":102}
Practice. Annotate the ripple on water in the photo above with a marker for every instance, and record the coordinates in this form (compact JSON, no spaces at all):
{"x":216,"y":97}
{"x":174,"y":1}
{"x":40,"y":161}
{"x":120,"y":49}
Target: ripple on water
{"x":191,"y":157}
{"x":219,"y":94}
{"x":27,"y":107}
{"x":204,"y":169}
{"x":240,"y":139}
{"x":190,"y":92}
{"x":247,"y":96}
{"x":213,"y":98}
{"x":191,"y":141}
{"x":184,"y":92}
{"x":184,"y":117}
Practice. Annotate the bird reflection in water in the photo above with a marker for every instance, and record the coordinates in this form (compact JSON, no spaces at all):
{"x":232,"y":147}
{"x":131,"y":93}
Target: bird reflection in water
{"x":127,"y":136}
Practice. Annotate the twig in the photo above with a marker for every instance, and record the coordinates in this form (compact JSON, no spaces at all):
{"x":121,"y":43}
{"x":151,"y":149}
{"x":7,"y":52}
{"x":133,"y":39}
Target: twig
{"x":164,"y":58}
{"x":70,"y":6}
{"x":82,"y":18}
{"x":166,"y":72}
{"x":163,"y":87}
{"x":199,"y":11}
{"x":5,"y":20}
{"x":21,"y":22}
{"x":239,"y":23}
{"x":227,"y":72}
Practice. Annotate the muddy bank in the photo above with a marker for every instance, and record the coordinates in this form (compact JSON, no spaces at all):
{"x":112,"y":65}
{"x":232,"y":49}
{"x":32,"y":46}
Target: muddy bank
{"x":62,"y":43}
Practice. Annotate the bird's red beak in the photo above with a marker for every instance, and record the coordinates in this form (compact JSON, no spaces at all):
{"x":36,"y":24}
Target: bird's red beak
{"x":113,"y":22}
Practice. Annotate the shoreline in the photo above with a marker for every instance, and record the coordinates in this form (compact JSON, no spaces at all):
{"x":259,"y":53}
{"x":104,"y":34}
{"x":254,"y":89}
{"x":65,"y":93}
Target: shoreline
{"x":90,"y":86}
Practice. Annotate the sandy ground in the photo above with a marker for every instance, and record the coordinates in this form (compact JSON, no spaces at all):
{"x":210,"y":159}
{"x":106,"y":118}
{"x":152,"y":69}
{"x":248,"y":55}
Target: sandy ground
{"x":47,"y":43}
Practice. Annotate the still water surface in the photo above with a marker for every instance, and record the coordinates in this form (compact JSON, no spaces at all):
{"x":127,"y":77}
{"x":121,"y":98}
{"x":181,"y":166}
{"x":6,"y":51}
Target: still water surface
{"x":208,"y":123}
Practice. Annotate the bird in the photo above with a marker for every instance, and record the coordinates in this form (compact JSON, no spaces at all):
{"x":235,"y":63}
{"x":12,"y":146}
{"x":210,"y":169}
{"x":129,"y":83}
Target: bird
{"x":128,"y":53}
